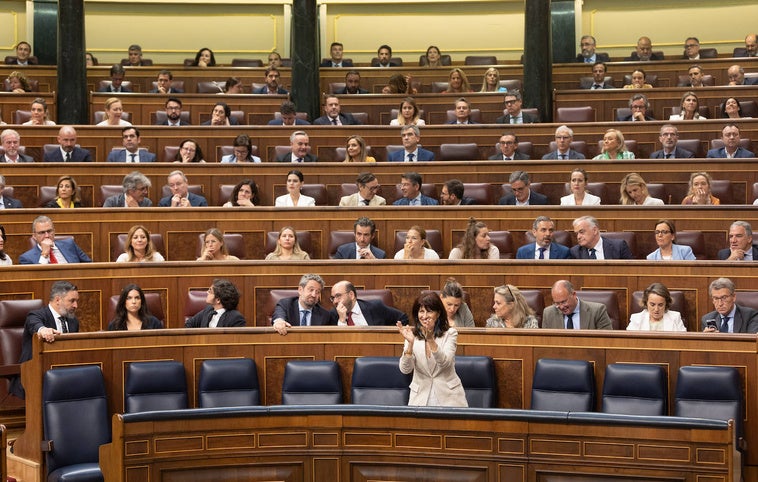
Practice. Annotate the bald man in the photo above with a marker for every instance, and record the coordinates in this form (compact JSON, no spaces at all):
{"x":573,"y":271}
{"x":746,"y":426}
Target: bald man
{"x":67,"y":150}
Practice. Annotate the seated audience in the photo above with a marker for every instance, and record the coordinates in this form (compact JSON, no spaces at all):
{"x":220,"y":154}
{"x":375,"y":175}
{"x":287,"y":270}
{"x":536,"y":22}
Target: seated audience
{"x":590,"y":245}
{"x":643,"y":51}
{"x":410,"y":186}
{"x":132,"y":312}
{"x":433,"y":57}
{"x":598,"y":78}
{"x":669,"y":137}
{"x":730,"y":135}
{"x":221,"y":312}
{"x":5,"y":259}
{"x":287,"y":247}
{"x":691,"y":49}
{"x":134,"y":54}
{"x":214,"y":248}
{"x":655,"y":315}
{"x":408,"y":114}
{"x":588,"y":55}
{"x":294,"y":198}
{"x":416,"y":245}
{"x":189,"y":151}
{"x":462,"y":112}
{"x":333,"y":115}
{"x":579,"y":195}
{"x":204,"y":58}
{"x":736,"y":76}
{"x":508,"y":145}
{"x":18,"y":83}
{"x":491,"y":81}
{"x":728,"y":317}
{"x":130,"y":138}
{"x":274,"y":59}
{"x":614,"y":147}
{"x":731,"y":109}
{"x":164,"y":84}
{"x":368,"y":187}
{"x":365,"y":231}
{"x":90,"y":60}
{"x":233,"y":85}
{"x":563,"y":137}
{"x":511,"y":309}
{"x":543,"y":247}
{"x":521,"y":193}
{"x":243,"y":151}
{"x":139,"y":247}
{"x":11,"y":141}
{"x":173,"y":113}
{"x":665,"y":235}
{"x":39,"y":114}
{"x":638,"y":80}
{"x":300,"y":149}
{"x":741,"y":247}
{"x":689,"y":105}
{"x":48,"y":251}
{"x":303,"y":309}
{"x":458,"y":312}
{"x":751,"y":46}
{"x":66,"y":195}
{"x":452,"y":194}
{"x":571,"y":313}
{"x":180,"y":196}
{"x":336,"y":51}
{"x":221,"y":115}
{"x":288,"y":116}
{"x":244,"y":194}
{"x":475,"y":243}
{"x":384,"y":57}
{"x":349,"y":310}
{"x":639,"y":105}
{"x":23,"y":55}
{"x":412,"y":151}
{"x":113,"y":112}
{"x":700,"y":190}
{"x":272,"y":86}
{"x":400,"y":84}
{"x":514,"y":114}
{"x":68,"y":151}
{"x":352,"y":84}
{"x":136,"y":186}
{"x":695,"y":74}
{"x":355,"y":150}
{"x":634,"y":192}
{"x":457,"y":82}
{"x":117,"y":74}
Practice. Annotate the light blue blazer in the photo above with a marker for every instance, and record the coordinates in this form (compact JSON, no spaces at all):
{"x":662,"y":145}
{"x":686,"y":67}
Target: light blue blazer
{"x":679,"y":252}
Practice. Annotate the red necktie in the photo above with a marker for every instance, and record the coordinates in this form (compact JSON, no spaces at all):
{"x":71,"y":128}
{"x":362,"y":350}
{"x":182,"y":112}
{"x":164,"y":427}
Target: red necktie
{"x":53,"y":259}
{"x":350,"y":319}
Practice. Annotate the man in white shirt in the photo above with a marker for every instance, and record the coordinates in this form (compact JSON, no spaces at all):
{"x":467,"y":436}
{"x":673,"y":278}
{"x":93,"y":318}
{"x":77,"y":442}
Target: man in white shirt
{"x":11,"y":141}
{"x":131,"y":152}
{"x":349,"y":310}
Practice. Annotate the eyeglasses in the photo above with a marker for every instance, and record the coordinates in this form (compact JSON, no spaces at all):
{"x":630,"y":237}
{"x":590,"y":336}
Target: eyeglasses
{"x":187,"y":149}
{"x":374,"y":188}
{"x":639,"y":106}
{"x":662,"y":232}
{"x":512,"y":101}
{"x":721,"y":299}
{"x":336,"y":296}
{"x":49,"y":231}
{"x":561,"y":303}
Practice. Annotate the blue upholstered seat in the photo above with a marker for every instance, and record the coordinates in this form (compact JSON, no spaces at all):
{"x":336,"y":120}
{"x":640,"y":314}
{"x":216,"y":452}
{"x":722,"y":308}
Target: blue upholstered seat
{"x":311,"y":383}
{"x":228,"y":382}
{"x":155,"y":385}
{"x":377,"y":380}
{"x":477,"y":374}
{"x":635,"y":389}
{"x":563,"y":385}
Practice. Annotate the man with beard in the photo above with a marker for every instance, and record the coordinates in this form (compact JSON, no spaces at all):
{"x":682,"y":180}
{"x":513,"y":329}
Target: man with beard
{"x":173,"y":113}
{"x":303,"y":309}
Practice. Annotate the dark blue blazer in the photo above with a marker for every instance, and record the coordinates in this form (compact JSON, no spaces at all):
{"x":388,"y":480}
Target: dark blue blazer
{"x":77,"y":155}
{"x":11,"y":203}
{"x":629,"y":118}
{"x":535,"y":199}
{"x":376,"y":314}
{"x":194,"y":199}
{"x":181,"y":123}
{"x":264,"y":90}
{"x":118,"y":201}
{"x":288,"y":309}
{"x":525,"y":116}
{"x":399,"y":156}
{"x":679,"y":153}
{"x":425,"y":201}
{"x":517,"y":156}
{"x":455,"y":122}
{"x":612,"y":249}
{"x":557,"y":251}
{"x":345,"y":119}
{"x":171,"y":90}
{"x":347,"y":251}
{"x":745,"y":319}
{"x":724,"y":253}
{"x":229,"y":318}
{"x":71,"y":251}
{"x":109,"y":88}
{"x":721,"y":153}
{"x":280,"y":122}
{"x":599,"y":57}
{"x":572,"y":154}
{"x":120,"y":156}
{"x":328,"y":63}
{"x":343,"y":91}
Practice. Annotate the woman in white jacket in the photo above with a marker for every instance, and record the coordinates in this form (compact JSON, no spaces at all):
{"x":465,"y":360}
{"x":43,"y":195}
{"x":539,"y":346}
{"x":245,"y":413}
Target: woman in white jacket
{"x":656,"y":315}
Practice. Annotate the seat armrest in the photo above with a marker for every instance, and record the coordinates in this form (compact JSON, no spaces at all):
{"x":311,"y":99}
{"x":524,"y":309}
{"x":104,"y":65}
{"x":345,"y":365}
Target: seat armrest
{"x":7,"y":371}
{"x":46,"y":446}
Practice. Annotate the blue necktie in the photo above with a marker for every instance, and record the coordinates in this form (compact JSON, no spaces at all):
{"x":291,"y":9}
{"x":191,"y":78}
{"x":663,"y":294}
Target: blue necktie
{"x":410,"y":157}
{"x":724,"y":324}
{"x":304,"y":317}
{"x":570,"y":321}
{"x":542,"y":253}
{"x":592,"y":254}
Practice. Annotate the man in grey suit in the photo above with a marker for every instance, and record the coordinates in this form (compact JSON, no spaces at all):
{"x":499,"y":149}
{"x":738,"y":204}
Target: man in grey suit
{"x":11,"y":140}
{"x":521,"y":194}
{"x":68,"y":151}
{"x":563,"y":137}
{"x":741,"y":247}
{"x":515,"y":115}
{"x":130,"y":139}
{"x":669,"y":137}
{"x":349,"y":310}
{"x":136,"y":186}
{"x":364,"y":230}
{"x":299,"y":144}
{"x":569,"y":312}
{"x":728,"y":316}
{"x":593,"y":246}
{"x":221,"y":312}
{"x":368,"y":186}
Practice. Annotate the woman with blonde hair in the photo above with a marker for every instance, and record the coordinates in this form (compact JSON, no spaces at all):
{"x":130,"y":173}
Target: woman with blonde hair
{"x":511,"y":309}
{"x":614,"y":147}
{"x":355,"y":150}
{"x":416,"y":245}
{"x":491,"y":81}
{"x":457,"y":82}
{"x":18,"y":83}
{"x":139,"y":247}
{"x":39,"y":114}
{"x":408,"y":114}
{"x":700,"y":190}
{"x":113,"y":112}
{"x":634,"y":192}
{"x":475,"y":243}
{"x":689,"y":106}
{"x":214,"y":248}
{"x":66,"y":195}
{"x":287,"y":247}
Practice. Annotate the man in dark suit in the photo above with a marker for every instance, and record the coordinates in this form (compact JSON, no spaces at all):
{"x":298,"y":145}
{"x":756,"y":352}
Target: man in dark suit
{"x":521,"y":194}
{"x":643,"y":52}
{"x":410,"y":186}
{"x":751,"y":46}
{"x":383,"y":57}
{"x":272,"y":86}
{"x":299,"y":143}
{"x":741,"y":246}
{"x":568,"y":312}
{"x":728,"y":317}
{"x":349,"y":310}
{"x":543,"y":248}
{"x":588,"y":54}
{"x":514,"y":113}
{"x":46,"y":323}
{"x":7,"y":202}
{"x":598,"y":80}
{"x":336,"y":50}
{"x":333,"y":115}
{"x":669,"y":137}
{"x":288,"y":116}
{"x":462,"y":113}
{"x":180,"y":196}
{"x":24,"y":55}
{"x":563,"y":137}
{"x":164,"y":84}
{"x":730,"y":135}
{"x":131,"y":152}
{"x":221,"y":311}
{"x":508,"y":145}
{"x":736,"y":76}
{"x":11,"y":140}
{"x":303,"y":309}
{"x":411,"y":152}
{"x":640,"y":107}
{"x":173,"y":113}
{"x":364,"y":230}
{"x":49,"y":251}
{"x":452,"y":194}
{"x":592,"y":246}
{"x":68,"y":151}
{"x":117,"y":74}
{"x":352,"y":84}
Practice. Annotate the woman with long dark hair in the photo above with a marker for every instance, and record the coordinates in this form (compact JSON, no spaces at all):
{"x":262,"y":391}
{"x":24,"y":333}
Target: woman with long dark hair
{"x":132,"y":313}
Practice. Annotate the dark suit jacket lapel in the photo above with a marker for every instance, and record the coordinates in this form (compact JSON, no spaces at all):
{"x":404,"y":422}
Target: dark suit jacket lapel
{"x":737,"y":327}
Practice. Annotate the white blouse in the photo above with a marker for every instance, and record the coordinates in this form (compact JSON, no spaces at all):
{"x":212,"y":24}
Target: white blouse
{"x":285,"y":201}
{"x":589,"y":200}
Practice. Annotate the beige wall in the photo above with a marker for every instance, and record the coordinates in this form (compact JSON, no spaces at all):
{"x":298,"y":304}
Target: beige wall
{"x":173,"y":30}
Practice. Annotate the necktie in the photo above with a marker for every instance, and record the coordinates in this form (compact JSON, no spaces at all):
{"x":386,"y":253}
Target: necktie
{"x":410,"y":157}
{"x":304,"y":317}
{"x":68,"y":157}
{"x":667,"y":156}
{"x":132,"y":156}
{"x":563,"y":156}
{"x":334,"y":122}
{"x":210,"y":320}
{"x":365,"y":201}
{"x":64,"y":324}
{"x":724,"y":324}
{"x":507,"y":158}
{"x":542,"y":253}
{"x":597,"y":86}
{"x":350,"y":319}
{"x":53,"y":259}
{"x":299,"y":159}
{"x":592,"y":254}
{"x":570,"y":321}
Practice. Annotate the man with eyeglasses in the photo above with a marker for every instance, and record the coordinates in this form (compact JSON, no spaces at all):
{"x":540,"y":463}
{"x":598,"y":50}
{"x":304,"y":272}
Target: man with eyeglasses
{"x":364,"y":230}
{"x":741,"y":247}
{"x":173,"y":114}
{"x":728,"y":317}
{"x":136,"y":186}
{"x":730,"y":136}
{"x":643,"y":52}
{"x":639,"y":105}
{"x":222,"y":300}
{"x":588,"y":55}
{"x":563,"y":151}
{"x":349,"y":310}
{"x":669,"y":137}
{"x":514,"y":114}
{"x":47,"y":250}
{"x":521,"y":194}
{"x":570,"y":313}
{"x":303,"y":309}
{"x":131,"y":152}
{"x":368,"y":187}
{"x":508,"y":145}
{"x":691,"y":49}
{"x":410,"y":186}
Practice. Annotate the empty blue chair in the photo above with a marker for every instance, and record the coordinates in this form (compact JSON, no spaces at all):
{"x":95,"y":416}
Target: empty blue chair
{"x":563,"y":385}
{"x":311,"y":383}
{"x":377,"y":380}
{"x":477,"y":374}
{"x":155,"y":385}
{"x":635,"y":389}
{"x":228,"y":382}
